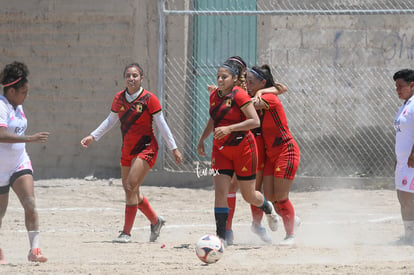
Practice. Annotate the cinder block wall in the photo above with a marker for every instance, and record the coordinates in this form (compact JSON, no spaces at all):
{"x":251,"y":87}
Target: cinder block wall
{"x":76,"y":52}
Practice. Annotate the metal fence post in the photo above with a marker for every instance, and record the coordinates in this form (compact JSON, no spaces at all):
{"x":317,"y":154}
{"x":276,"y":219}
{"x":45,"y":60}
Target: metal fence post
{"x":161,"y":72}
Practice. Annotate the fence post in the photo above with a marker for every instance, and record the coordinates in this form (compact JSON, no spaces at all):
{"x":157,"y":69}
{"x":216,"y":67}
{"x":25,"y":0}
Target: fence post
{"x":161,"y":72}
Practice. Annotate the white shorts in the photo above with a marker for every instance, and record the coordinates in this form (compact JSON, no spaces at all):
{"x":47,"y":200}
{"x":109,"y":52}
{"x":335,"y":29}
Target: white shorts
{"x":5,"y":176}
{"x":404,"y":179}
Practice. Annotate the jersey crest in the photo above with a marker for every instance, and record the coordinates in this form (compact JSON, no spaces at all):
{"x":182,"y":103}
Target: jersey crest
{"x":139,"y":107}
{"x":228,"y":102}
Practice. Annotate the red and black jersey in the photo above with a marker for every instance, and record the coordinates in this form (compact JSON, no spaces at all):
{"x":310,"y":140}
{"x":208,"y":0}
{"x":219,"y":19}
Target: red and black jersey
{"x":136,"y":119}
{"x":258,"y":131}
{"x":275,"y":129}
{"x":226,"y":110}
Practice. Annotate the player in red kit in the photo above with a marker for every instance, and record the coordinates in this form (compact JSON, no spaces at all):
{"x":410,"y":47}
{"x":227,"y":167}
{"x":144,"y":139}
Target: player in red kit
{"x":136,"y":108}
{"x":282,"y":151}
{"x":257,"y":214}
{"x":234,"y":148}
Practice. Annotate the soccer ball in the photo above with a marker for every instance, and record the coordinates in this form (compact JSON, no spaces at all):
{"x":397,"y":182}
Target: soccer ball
{"x":209,"y":249}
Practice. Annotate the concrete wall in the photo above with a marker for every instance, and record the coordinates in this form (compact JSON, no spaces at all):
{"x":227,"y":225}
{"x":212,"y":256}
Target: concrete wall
{"x":76,"y":52}
{"x":336,"y":40}
{"x":355,"y":109}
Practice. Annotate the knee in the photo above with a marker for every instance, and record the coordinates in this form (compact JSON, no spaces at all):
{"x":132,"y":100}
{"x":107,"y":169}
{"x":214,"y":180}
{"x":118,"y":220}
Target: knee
{"x":280,"y":196}
{"x":249,"y":196}
{"x":29,"y":205}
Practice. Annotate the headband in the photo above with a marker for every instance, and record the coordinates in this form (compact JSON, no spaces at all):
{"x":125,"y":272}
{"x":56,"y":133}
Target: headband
{"x":138,"y":68}
{"x":258,"y":75}
{"x":12,"y":83}
{"x":238,"y":61}
{"x":233,"y":70}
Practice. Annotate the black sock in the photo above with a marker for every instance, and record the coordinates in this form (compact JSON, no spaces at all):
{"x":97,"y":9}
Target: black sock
{"x":266,"y":207}
{"x":221,"y":215}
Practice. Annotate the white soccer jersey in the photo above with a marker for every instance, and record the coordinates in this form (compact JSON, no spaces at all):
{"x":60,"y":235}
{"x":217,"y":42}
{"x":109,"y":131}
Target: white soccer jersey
{"x":12,"y":155}
{"x":404,"y":141}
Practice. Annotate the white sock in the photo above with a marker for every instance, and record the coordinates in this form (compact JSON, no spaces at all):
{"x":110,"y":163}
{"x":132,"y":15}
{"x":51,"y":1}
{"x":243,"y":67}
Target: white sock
{"x":409,"y":229}
{"x":34,"y":237}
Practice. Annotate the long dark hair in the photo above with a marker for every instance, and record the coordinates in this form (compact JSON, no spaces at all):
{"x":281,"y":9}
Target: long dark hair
{"x":238,"y":62}
{"x":264,"y":73}
{"x":14,"y":75}
{"x":406,"y":74}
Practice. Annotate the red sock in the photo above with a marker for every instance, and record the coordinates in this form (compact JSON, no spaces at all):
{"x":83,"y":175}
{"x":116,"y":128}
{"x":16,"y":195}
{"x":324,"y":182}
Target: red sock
{"x":257,"y":214}
{"x":147,"y":210}
{"x":231,"y":201}
{"x":130,"y":212}
{"x":287,"y":212}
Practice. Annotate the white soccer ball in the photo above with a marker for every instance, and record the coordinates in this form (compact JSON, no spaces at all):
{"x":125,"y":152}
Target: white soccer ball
{"x":209,"y":249}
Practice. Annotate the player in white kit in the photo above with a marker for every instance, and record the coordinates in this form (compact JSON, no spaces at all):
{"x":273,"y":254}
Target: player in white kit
{"x":404,"y":151}
{"x":15,"y":166}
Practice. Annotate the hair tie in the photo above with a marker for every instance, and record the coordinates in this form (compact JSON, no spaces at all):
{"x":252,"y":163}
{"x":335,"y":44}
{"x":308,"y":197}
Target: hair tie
{"x":258,"y":75}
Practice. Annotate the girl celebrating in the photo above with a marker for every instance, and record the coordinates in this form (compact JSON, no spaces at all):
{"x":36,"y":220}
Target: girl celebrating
{"x":282,"y":151}
{"x":234,"y":148}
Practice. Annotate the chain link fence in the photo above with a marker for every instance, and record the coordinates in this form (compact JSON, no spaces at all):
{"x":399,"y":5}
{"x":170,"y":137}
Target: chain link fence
{"x":340,"y":111}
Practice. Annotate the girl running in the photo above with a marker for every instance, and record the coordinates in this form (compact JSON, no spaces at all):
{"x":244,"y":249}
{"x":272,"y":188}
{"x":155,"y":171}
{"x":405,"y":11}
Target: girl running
{"x":234,"y":148}
{"x":282,"y":151}
{"x":136,"y":108}
{"x":15,"y":166}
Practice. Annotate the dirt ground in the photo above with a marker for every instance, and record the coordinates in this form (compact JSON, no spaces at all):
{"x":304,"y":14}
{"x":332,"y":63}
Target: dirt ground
{"x":343,"y":231}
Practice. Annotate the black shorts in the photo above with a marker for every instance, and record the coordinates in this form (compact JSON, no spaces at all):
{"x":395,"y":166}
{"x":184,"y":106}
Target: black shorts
{"x":13,"y":178}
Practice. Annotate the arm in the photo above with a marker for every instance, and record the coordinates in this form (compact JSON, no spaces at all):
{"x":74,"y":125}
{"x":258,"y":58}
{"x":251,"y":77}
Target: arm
{"x":207,"y":131}
{"x":167,"y":135}
{"x":7,"y":137}
{"x":278,"y":89}
{"x":102,"y":129}
{"x":252,"y":121}
{"x":259,"y":104}
{"x":211,"y":88}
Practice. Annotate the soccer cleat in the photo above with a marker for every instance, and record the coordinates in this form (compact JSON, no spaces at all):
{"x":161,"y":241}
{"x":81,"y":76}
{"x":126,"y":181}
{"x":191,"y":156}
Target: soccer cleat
{"x":122,"y":238}
{"x":229,"y":237}
{"x":156,"y":228}
{"x":261,"y":232}
{"x":224,"y":242}
{"x":35,"y":255}
{"x":298,"y":221}
{"x":2,"y":259}
{"x":288,"y":241}
{"x":404,"y":241}
{"x":272,"y":217}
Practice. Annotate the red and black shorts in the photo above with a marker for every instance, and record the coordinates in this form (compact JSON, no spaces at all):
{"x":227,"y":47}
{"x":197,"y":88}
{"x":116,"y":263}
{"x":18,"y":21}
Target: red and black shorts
{"x":146,"y":148}
{"x":283,"y":160}
{"x":238,"y":157}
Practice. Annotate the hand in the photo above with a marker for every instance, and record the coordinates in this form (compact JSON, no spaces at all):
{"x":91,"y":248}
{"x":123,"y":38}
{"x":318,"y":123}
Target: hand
{"x":221,"y":132}
{"x":257,"y":96}
{"x":177,"y":156}
{"x":211,"y":88}
{"x":86,"y":141}
{"x":41,"y":137}
{"x":200,"y":149}
{"x":281,"y":87}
